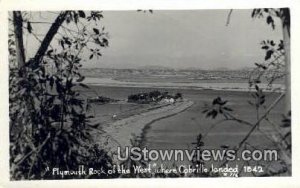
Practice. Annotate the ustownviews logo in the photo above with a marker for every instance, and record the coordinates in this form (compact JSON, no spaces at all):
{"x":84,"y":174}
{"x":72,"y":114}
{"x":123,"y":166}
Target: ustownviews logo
{"x":137,"y":153}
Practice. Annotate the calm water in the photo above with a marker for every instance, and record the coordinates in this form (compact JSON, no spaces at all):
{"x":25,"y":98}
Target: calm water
{"x":181,"y":130}
{"x":217,"y":85}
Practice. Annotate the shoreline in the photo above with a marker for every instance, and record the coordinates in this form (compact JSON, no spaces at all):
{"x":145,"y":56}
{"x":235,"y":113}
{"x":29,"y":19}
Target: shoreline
{"x":121,"y":132}
{"x":147,"y":127}
{"x":216,"y":86}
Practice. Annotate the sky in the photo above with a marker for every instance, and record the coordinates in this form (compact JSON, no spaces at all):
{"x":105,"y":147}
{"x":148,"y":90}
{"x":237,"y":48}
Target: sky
{"x":180,"y":39}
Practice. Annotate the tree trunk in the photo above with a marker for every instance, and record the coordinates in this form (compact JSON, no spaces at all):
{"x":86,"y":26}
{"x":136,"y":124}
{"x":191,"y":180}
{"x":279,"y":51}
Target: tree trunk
{"x":18,"y":30}
{"x":287,"y":70}
{"x":285,"y":18}
{"x":286,"y":40}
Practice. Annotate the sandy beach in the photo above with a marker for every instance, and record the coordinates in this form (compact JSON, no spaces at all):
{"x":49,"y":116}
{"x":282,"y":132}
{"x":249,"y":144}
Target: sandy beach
{"x":120,"y":132}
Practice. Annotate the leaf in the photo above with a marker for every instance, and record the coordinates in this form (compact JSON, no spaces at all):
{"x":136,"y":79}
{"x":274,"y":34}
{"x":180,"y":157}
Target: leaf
{"x":80,"y":79}
{"x":224,"y":146}
{"x":268,"y":54}
{"x":81,"y":14}
{"x":62,"y":43}
{"x":105,"y":41}
{"x":251,"y":103}
{"x":214,"y":114}
{"x":29,"y":27}
{"x":208,"y":114}
{"x":270,"y":21}
{"x":91,"y":56}
{"x":67,"y":41}
{"x":286,"y":122}
{"x":84,"y":86}
{"x":49,"y":52}
{"x":219,"y":101}
{"x":280,"y":45}
{"x":260,"y":66}
{"x":216,"y":101}
{"x":253,"y":13}
{"x":96,"y":31}
{"x":262,"y":101}
{"x":204,"y":111}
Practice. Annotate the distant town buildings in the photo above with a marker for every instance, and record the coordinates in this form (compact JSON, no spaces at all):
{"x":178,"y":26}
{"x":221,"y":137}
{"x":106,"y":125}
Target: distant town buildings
{"x":172,"y":75}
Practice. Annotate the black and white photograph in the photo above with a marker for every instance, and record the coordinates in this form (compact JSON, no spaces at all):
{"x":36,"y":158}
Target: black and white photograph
{"x":146,"y":93}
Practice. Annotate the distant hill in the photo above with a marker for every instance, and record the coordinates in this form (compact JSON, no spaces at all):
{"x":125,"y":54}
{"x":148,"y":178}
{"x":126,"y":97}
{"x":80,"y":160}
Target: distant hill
{"x":154,"y":67}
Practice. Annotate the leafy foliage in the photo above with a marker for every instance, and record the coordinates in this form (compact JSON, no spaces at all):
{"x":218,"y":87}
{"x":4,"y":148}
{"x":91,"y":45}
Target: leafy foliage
{"x":274,"y":62}
{"x":218,"y":107}
{"x":48,"y":122}
{"x":271,"y":69}
{"x":258,"y":97}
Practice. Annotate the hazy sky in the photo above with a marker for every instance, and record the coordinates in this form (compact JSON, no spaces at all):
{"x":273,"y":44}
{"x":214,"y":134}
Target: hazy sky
{"x":182,"y":39}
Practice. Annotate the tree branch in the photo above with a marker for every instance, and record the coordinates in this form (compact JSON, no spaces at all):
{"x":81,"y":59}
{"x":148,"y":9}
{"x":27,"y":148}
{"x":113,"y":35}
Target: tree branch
{"x":260,"y":119}
{"x":228,"y":17}
{"x":239,"y":146}
{"x":48,"y":38}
